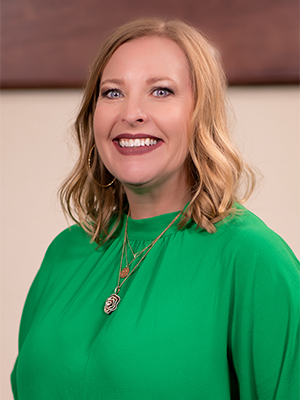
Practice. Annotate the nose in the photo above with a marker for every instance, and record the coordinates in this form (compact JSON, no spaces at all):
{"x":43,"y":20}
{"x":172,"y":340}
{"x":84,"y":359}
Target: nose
{"x":134,"y":112}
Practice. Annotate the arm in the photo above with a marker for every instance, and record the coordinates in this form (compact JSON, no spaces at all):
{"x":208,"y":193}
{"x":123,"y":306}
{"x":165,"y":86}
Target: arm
{"x":264,"y":329}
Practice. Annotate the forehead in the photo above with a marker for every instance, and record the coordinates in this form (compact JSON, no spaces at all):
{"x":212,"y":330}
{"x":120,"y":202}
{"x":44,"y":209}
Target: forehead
{"x":148,"y":55}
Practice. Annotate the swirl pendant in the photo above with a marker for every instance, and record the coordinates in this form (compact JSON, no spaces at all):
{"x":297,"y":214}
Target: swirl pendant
{"x":111,"y":303}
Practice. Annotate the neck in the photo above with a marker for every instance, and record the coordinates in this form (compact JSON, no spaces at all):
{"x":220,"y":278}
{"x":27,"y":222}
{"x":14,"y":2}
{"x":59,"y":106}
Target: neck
{"x":147,"y":203}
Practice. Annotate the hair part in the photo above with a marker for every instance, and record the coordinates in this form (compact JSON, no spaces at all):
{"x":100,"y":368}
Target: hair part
{"x":216,"y":167}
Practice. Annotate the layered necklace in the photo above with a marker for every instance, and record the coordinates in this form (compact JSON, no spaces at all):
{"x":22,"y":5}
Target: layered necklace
{"x":113,"y":300}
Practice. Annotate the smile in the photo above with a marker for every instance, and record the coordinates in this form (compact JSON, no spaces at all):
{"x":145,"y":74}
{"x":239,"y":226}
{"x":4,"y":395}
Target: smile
{"x":128,"y":145}
{"x":137,"y":142}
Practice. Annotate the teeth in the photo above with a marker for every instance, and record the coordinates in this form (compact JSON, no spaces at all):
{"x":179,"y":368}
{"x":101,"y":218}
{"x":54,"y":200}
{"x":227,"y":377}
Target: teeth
{"x":137,"y":142}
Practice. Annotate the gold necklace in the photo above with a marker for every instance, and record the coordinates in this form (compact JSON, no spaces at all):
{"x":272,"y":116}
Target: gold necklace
{"x":135,"y":255}
{"x":125,"y":271}
{"x":113,"y":300}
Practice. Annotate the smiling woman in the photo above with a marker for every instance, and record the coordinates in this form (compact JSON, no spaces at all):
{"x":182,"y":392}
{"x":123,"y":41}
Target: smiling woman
{"x":167,"y":57}
{"x":166,"y":287}
{"x":141,"y":123}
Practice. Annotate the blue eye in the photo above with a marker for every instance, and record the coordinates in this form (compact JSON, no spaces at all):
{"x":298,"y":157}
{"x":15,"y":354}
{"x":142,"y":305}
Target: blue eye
{"x":162,"y":92}
{"x":112,"y":94}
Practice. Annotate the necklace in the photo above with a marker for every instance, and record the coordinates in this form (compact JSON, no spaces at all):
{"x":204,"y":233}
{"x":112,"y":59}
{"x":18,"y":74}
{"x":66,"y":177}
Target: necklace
{"x":125,"y":271}
{"x":113,"y":300}
{"x":135,"y":255}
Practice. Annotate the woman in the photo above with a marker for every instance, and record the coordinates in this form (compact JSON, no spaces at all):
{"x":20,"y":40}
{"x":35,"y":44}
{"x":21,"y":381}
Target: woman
{"x":166,"y":287}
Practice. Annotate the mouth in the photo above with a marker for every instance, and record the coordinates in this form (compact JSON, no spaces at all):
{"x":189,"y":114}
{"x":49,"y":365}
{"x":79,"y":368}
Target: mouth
{"x":139,"y":142}
{"x":129,"y":144}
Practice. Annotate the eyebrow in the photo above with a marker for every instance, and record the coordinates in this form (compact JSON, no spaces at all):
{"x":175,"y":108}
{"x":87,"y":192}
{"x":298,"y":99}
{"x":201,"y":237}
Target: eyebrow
{"x":116,"y":81}
{"x":159,"y":78}
{"x":149,"y":81}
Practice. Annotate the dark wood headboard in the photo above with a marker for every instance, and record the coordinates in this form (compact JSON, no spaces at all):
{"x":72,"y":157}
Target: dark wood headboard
{"x":50,"y":44}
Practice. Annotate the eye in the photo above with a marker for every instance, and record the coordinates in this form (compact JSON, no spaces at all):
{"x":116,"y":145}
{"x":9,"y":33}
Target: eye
{"x":112,"y":94}
{"x":162,"y":92}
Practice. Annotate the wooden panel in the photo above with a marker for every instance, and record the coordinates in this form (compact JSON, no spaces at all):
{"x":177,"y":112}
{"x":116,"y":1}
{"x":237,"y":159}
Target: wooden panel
{"x":52,"y":43}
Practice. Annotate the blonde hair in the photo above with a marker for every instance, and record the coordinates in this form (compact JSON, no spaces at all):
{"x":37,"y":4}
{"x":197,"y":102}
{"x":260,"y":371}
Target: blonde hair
{"x":216,"y":167}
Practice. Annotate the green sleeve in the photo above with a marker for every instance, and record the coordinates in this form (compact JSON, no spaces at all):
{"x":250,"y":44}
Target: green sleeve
{"x":264,"y":330}
{"x":14,"y":381}
{"x":28,"y":316}
{"x":34,"y":297}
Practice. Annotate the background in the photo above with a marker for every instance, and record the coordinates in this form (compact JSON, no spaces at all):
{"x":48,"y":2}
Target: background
{"x":43,"y":75}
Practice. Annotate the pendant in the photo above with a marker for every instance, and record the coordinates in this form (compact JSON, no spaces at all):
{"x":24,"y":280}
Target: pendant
{"x":124,"y":272}
{"x":111,"y":303}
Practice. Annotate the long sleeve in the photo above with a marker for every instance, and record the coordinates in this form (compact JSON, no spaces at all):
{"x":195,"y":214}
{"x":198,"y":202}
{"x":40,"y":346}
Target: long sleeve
{"x":33,"y":300}
{"x":264,"y":334}
{"x":13,"y":380}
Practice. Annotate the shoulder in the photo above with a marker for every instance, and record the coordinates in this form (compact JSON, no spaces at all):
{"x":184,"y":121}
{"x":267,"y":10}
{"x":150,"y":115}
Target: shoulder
{"x":256,"y":252}
{"x":72,"y":233}
{"x":241,"y":237}
{"x":71,"y":239}
{"x":71,"y":245}
{"x":244,"y":230}
{"x":65,"y":254}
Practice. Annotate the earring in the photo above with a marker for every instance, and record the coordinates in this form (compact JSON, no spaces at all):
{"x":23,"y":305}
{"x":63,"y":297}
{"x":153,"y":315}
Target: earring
{"x":90,"y":171}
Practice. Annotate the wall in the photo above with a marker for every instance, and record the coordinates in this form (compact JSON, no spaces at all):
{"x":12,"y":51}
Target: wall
{"x":36,"y":154}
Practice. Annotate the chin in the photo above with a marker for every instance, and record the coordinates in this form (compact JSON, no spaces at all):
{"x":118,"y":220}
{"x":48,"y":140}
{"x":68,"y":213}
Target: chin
{"x":136,"y":177}
{"x":135,"y":183}
{"x":138,"y":181}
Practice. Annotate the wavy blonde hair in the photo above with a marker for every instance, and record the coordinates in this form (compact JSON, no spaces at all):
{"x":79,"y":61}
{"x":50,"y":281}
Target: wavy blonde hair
{"x":216,"y":168}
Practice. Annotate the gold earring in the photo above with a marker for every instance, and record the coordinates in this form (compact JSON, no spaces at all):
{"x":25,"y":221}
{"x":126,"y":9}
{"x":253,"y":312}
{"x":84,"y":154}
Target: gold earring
{"x":90,"y":171}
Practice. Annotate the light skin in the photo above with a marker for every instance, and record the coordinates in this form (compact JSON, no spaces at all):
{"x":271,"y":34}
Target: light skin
{"x":141,"y":124}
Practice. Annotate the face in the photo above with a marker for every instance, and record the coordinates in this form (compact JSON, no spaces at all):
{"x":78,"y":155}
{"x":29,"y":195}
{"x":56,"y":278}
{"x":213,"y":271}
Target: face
{"x":142,"y":114}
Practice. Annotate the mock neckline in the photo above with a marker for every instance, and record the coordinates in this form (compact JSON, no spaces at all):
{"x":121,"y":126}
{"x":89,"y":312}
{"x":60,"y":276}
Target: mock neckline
{"x":150,"y":228}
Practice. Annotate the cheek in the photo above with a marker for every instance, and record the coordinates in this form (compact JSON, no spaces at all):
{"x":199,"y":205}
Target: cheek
{"x":180,"y":126}
{"x":182,"y":137}
{"x":102,"y":122}
{"x":97,"y":123}
{"x":101,"y":132}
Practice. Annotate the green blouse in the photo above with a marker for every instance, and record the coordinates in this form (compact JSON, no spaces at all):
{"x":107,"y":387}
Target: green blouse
{"x":204,"y":316}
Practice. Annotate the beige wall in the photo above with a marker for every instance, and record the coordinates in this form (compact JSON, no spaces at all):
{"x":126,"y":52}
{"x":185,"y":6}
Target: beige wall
{"x":35,"y":156}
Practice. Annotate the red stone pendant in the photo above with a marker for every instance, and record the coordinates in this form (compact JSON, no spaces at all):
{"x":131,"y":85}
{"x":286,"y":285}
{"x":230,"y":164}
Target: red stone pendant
{"x":124,"y":272}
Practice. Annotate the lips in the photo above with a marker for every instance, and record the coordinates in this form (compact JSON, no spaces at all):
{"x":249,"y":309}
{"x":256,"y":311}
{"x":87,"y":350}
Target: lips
{"x":128,"y":144}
